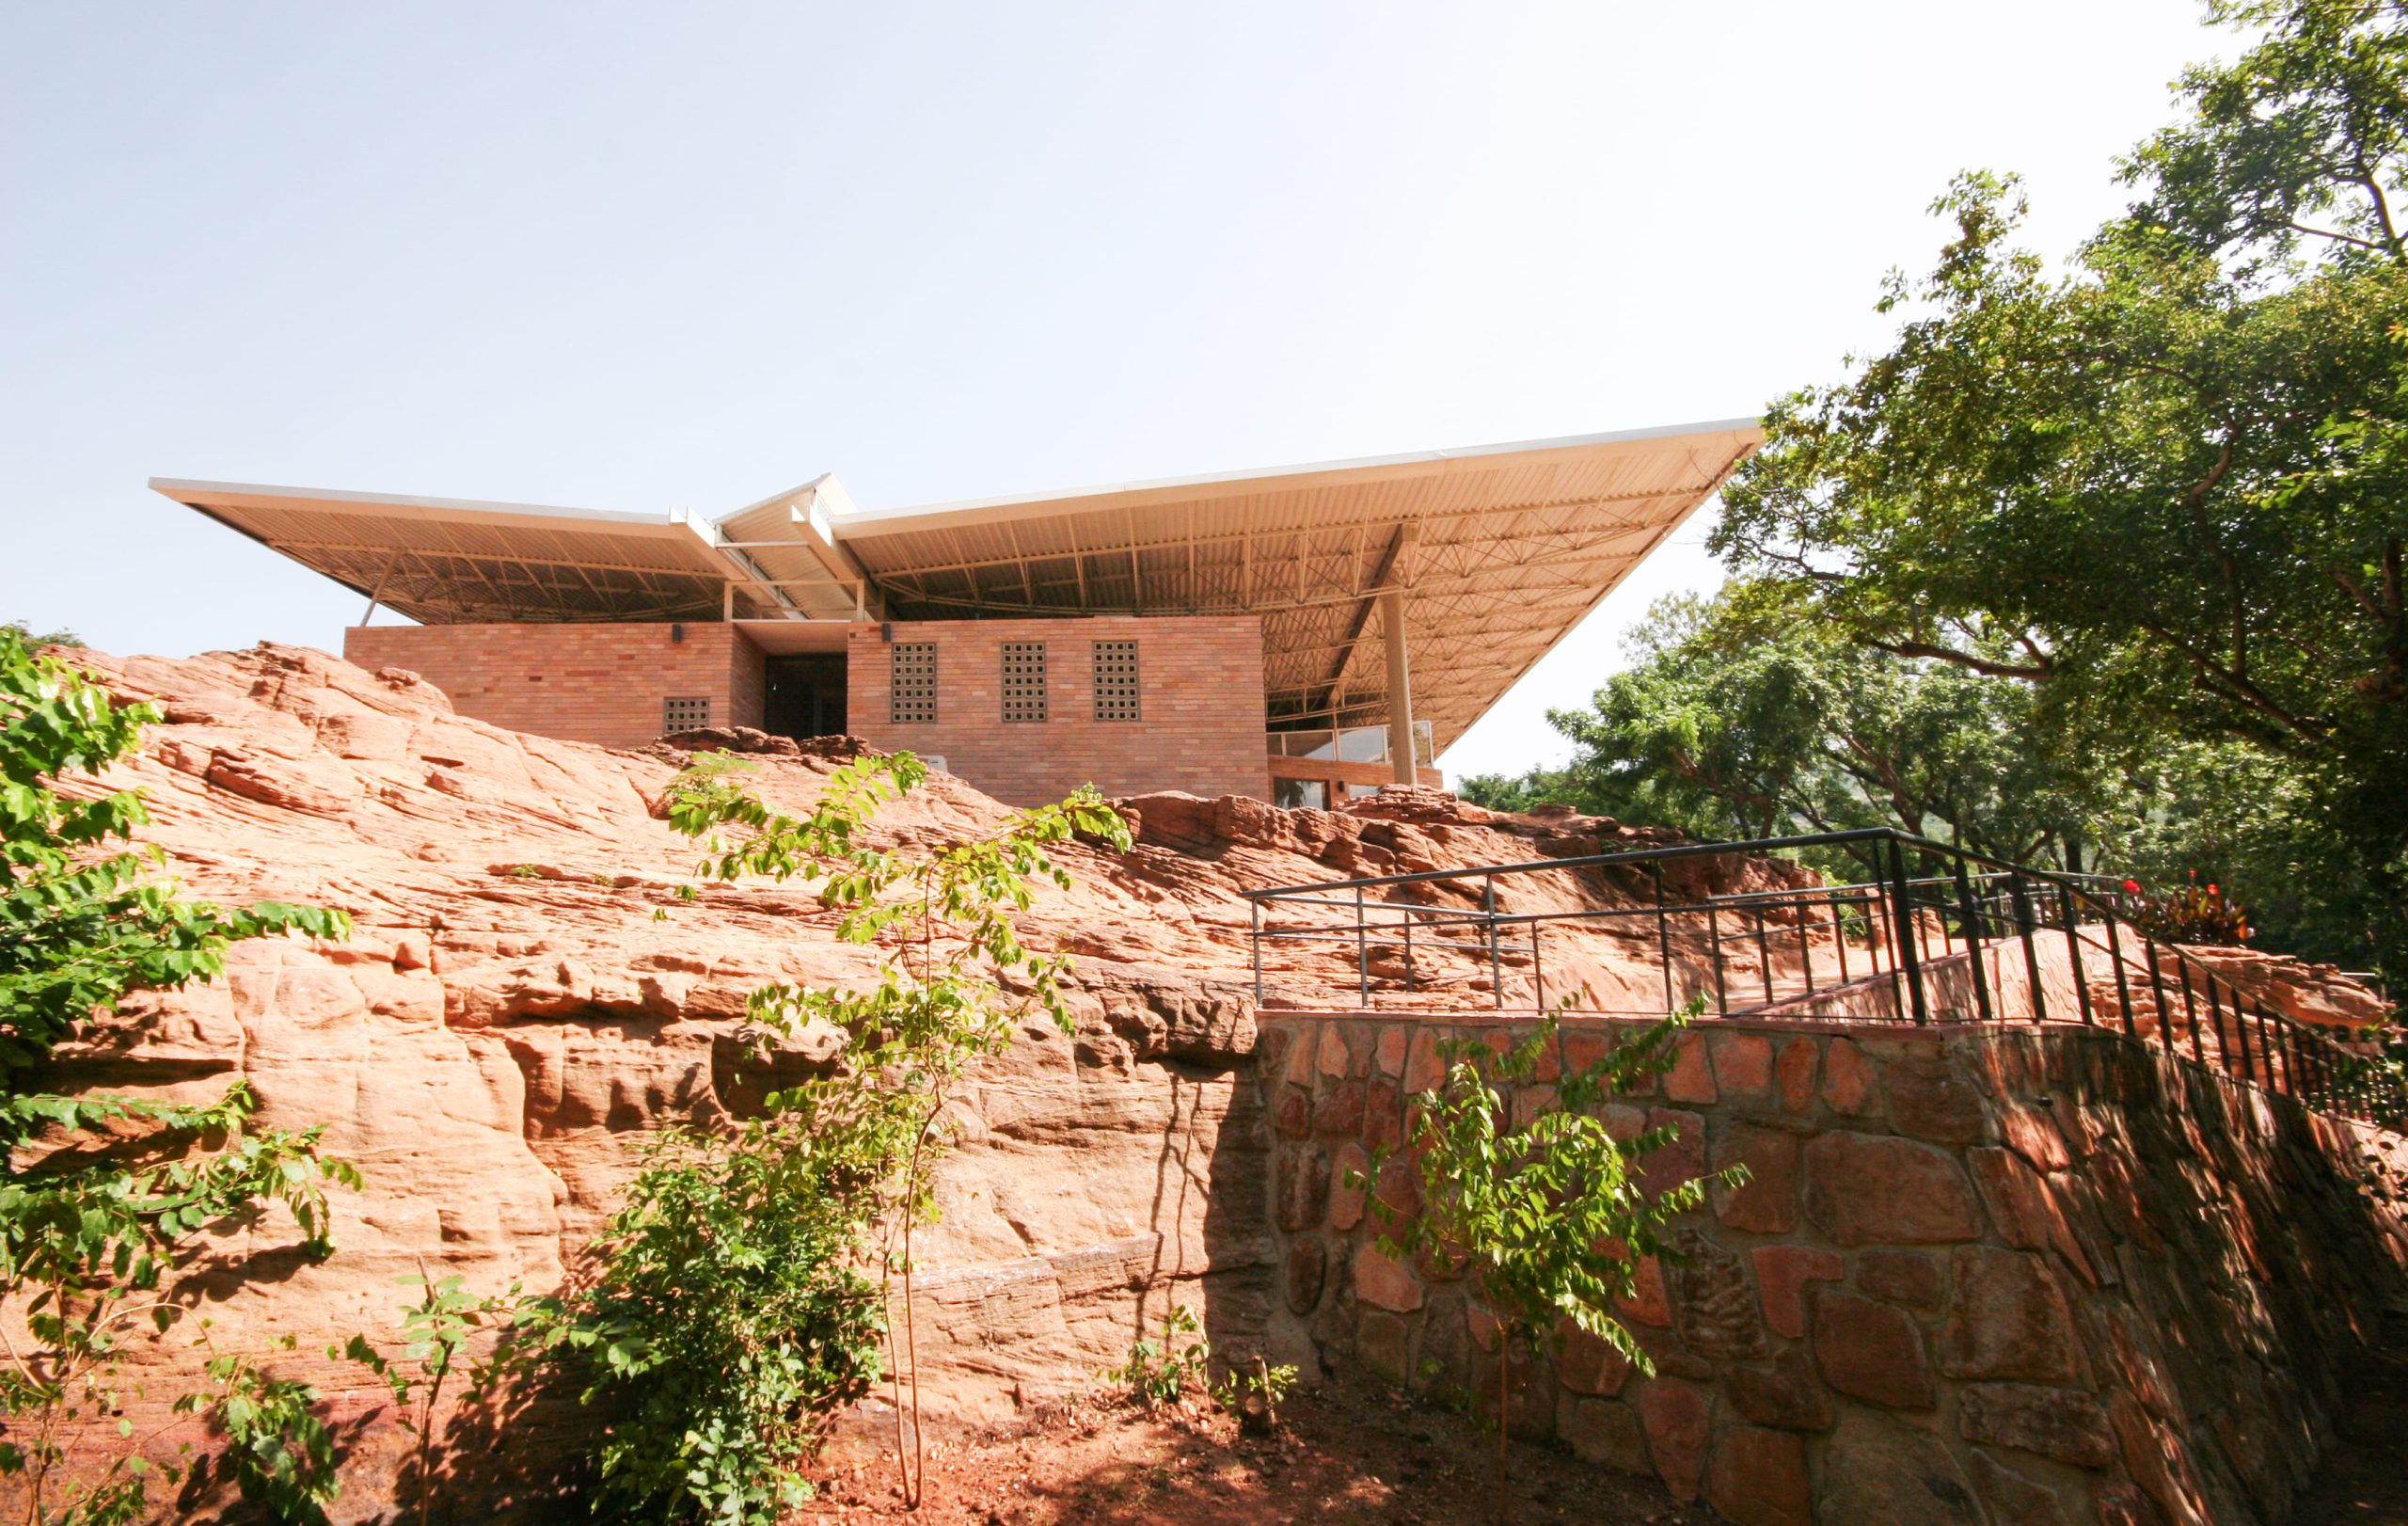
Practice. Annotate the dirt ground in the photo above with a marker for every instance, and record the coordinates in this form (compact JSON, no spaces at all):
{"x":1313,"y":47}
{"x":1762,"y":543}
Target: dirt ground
{"x":1356,"y":1452}
{"x":1345,"y":1452}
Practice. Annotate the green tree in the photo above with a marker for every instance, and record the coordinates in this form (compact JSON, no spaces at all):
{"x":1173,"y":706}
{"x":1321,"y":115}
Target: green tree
{"x":103,"y":1198}
{"x":740,"y":1292}
{"x":1547,"y":1216}
{"x":2162,"y":488}
{"x":1744,"y":716}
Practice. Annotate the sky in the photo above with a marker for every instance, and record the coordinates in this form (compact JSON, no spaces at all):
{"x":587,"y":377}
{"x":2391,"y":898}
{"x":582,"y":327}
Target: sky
{"x":652,"y":257}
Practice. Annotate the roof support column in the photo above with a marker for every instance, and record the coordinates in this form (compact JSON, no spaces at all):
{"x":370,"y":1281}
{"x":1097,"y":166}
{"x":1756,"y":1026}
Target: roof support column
{"x":1400,"y":687}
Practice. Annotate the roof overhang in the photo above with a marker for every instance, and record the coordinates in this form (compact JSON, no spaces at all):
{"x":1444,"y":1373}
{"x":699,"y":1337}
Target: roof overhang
{"x":1497,"y":550}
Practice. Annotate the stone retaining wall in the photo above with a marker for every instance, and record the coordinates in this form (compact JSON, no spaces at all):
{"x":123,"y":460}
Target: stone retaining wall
{"x":1980,"y":1275}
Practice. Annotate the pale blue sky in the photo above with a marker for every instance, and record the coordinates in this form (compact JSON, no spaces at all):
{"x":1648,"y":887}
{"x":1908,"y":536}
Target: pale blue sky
{"x":645,"y":257}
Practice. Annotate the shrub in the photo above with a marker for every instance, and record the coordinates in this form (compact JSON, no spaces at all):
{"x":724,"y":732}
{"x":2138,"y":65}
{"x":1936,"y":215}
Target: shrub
{"x":1547,"y":1216}
{"x":103,"y":1197}
{"x":739,"y":1296}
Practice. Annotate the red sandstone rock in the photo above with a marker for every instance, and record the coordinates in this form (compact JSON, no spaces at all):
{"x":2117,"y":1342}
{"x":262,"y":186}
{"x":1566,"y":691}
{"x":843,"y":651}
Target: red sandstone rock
{"x":1758,"y":1478}
{"x":2007,"y":1318}
{"x":1928,"y":1100}
{"x":1676,"y":1414}
{"x":1869,"y":1189}
{"x":2062,"y":1424}
{"x":1885,"y":1470}
{"x":1742,"y":1064}
{"x":1781,"y":1275}
{"x":1799,"y":1060}
{"x":1917,"y":1278}
{"x":1848,"y":1081}
{"x":1691,"y":1077}
{"x":1385,"y":1282}
{"x":1603,"y":1431}
{"x":1871,"y":1351}
{"x":1786,"y":1396}
{"x":1767,"y":1203}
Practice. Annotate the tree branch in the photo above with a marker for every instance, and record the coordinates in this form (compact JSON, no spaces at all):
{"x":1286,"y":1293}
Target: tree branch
{"x":1988,"y":667}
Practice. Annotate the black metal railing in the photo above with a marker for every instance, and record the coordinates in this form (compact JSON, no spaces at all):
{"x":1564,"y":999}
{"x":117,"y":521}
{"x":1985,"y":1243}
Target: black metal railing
{"x":1936,"y":933}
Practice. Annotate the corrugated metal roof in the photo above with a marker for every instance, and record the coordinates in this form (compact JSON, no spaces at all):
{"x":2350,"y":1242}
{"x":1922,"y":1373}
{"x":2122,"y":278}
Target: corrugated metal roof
{"x":1499,"y":550}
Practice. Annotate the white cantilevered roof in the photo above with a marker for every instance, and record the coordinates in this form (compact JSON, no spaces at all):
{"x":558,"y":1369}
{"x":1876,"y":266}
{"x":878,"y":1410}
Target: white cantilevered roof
{"x":1497,"y":550}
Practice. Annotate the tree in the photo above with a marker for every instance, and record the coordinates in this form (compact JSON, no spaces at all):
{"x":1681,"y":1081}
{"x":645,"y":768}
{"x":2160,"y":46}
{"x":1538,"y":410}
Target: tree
{"x":733,"y":1305}
{"x":1744,"y":716}
{"x":103,"y":1197}
{"x":2162,"y":488}
{"x":1547,"y":1216}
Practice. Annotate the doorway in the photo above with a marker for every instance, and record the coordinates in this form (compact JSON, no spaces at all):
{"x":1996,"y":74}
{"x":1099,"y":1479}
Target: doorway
{"x":806,"y":696}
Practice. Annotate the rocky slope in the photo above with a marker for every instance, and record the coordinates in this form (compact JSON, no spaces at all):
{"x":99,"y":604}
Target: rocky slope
{"x":512,"y":1014}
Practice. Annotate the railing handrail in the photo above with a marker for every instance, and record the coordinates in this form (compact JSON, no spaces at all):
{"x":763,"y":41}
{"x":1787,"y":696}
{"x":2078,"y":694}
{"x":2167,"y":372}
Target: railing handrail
{"x":2295,"y":1057}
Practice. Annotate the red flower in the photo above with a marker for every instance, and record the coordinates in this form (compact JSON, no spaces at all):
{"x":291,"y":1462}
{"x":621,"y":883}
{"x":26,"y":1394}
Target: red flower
{"x":2214,"y":891}
{"x":2131,"y":887}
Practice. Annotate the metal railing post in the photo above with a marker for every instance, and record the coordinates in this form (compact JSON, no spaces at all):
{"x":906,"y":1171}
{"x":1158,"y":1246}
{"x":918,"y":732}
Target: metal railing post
{"x":2191,"y":1008}
{"x":1903,"y":916}
{"x":1538,"y":971}
{"x":1496,"y":964}
{"x":2073,"y":952}
{"x":1663,"y":935}
{"x":1714,"y":942}
{"x":2157,"y":993}
{"x":1404,"y":917}
{"x":1764,"y":951}
{"x":2023,"y":903}
{"x":1258,"y":952}
{"x":1972,"y":940}
{"x":1362,"y":955}
{"x":1839,"y":938}
{"x":2123,"y":986}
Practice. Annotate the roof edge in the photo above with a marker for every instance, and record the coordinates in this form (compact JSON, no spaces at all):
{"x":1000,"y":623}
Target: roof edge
{"x":876,"y":521}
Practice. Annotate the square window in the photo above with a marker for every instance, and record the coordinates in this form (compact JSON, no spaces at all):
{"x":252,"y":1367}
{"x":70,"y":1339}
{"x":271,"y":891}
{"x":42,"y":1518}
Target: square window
{"x":687,"y":713}
{"x":1116,"y":680}
{"x":911,"y":685}
{"x":1023,"y":681}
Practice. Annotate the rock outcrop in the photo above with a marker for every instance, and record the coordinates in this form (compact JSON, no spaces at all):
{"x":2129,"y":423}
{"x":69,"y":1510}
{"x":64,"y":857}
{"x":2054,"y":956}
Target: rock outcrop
{"x":526,"y":996}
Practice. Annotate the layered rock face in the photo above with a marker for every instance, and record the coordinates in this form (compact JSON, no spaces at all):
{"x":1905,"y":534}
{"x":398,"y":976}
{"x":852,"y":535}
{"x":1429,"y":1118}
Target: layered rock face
{"x":512,"y":1018}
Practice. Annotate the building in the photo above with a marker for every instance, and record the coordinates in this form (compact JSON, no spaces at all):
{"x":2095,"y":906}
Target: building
{"x":1298,"y":634}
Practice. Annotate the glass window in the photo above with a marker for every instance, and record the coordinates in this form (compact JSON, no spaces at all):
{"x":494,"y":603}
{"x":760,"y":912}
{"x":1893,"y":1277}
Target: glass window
{"x":1023,"y":681}
{"x":686,"y":713}
{"x":912,"y":686}
{"x":1363,"y":744}
{"x":1300,"y":794}
{"x":1116,"y":680}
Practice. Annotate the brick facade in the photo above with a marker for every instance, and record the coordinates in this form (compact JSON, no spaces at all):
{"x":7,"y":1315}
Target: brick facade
{"x":1200,"y":709}
{"x":1201,"y":725}
{"x":600,"y":683}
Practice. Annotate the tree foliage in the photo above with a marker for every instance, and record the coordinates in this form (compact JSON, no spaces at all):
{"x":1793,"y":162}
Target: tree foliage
{"x":103,"y":1199}
{"x":2164,"y":488}
{"x":1742,"y":716}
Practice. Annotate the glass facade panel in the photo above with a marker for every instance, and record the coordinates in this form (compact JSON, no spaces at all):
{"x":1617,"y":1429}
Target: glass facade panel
{"x":1300,"y":794}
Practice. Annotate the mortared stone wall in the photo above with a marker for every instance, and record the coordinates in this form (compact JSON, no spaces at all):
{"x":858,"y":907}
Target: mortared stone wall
{"x":1979,"y":1275}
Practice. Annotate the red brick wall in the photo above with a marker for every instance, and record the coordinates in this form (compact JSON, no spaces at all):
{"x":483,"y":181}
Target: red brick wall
{"x":599,"y":683}
{"x":1201,"y":704}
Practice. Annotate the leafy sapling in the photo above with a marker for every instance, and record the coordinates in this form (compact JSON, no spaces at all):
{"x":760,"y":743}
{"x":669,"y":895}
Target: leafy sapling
{"x":436,"y":1332}
{"x":1547,"y":1216}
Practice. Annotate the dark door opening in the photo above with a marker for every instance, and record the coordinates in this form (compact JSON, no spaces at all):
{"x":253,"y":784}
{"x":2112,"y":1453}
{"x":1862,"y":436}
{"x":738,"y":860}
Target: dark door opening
{"x":806,"y":696}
